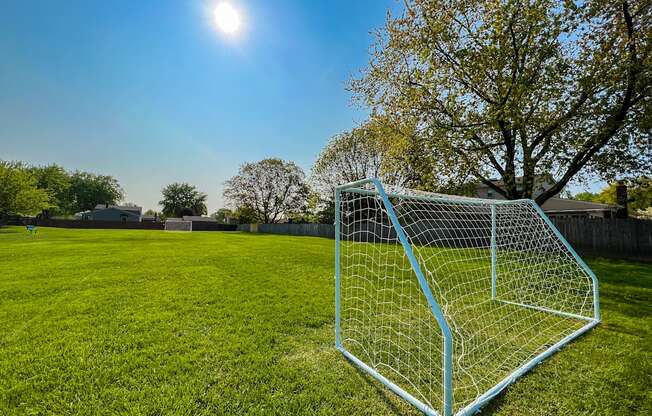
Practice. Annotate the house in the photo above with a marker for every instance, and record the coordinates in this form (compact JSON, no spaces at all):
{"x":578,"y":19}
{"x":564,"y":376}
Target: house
{"x":149,"y":218}
{"x":198,"y":218}
{"x":541,"y":184}
{"x":554,"y":207}
{"x":572,"y":208}
{"x":108,"y":212}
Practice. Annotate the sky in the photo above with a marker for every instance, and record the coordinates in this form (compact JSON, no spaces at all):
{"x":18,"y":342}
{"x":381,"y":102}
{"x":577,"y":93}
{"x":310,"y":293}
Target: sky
{"x":151,"y":92}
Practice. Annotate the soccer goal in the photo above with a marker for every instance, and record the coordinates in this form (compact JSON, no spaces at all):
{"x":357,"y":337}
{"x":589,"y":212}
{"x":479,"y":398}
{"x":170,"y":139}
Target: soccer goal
{"x":178,"y":225}
{"x":447,"y":300}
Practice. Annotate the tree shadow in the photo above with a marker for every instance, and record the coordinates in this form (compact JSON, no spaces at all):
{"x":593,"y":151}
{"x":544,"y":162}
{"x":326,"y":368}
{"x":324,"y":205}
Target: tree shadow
{"x":381,"y":391}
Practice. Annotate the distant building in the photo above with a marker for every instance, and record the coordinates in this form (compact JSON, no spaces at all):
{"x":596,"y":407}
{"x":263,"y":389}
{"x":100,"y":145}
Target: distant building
{"x":108,"y":212}
{"x":572,"y":208}
{"x":198,"y":218}
{"x":541,"y":184}
{"x":554,"y":207}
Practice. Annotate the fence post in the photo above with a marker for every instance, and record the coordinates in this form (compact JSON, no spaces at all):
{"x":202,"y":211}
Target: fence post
{"x":493,"y":252}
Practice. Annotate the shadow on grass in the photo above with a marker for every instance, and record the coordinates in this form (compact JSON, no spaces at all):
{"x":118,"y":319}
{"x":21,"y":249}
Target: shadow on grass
{"x":382,"y":392}
{"x":10,"y":230}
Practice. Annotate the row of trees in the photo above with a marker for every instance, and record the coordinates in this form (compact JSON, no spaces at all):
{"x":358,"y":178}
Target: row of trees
{"x":268,"y":191}
{"x":465,"y":91}
{"x":639,"y":196}
{"x":461,"y":92}
{"x":51,"y":190}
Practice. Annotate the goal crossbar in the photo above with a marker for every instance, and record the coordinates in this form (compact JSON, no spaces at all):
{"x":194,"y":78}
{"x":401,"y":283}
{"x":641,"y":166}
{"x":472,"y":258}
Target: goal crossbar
{"x":373,"y":188}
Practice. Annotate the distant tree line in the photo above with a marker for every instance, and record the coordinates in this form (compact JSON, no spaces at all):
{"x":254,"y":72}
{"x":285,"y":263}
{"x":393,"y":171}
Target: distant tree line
{"x":51,"y":190}
{"x":639,"y":196}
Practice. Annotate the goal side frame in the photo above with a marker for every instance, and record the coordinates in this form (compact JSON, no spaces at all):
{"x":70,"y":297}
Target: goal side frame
{"x":473,"y":407}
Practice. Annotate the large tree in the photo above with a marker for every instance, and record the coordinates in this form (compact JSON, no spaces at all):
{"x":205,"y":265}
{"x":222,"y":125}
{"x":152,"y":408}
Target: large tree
{"x":387,"y":149}
{"x":639,"y":194}
{"x":178,"y":197}
{"x":19,"y":194}
{"x":223,"y":215}
{"x":520,"y":88}
{"x":86,"y":190}
{"x":274,"y":189}
{"x":348,"y":157}
{"x":56,"y":181}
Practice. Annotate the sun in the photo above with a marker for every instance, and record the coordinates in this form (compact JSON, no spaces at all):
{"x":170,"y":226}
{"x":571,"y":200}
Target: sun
{"x":227,"y":18}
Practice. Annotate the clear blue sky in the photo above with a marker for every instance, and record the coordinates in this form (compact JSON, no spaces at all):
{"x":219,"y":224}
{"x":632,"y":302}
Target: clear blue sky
{"x":151,"y":93}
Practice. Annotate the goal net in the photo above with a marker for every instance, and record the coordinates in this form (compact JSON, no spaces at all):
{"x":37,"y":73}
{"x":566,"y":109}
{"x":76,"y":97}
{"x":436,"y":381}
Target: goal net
{"x":178,"y":225}
{"x":446,"y":300}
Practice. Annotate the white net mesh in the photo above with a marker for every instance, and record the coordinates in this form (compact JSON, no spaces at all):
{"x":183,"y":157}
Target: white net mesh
{"x":178,"y":225}
{"x":541,"y":293}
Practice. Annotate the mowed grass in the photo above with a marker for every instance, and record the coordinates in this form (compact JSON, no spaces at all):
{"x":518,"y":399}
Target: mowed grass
{"x":148,"y":322}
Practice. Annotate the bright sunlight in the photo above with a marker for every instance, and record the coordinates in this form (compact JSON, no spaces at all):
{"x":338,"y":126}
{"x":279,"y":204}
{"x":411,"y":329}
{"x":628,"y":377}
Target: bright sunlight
{"x":227,"y":18}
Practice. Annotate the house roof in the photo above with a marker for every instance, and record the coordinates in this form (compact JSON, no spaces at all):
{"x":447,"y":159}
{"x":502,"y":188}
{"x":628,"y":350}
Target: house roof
{"x":122,"y":208}
{"x":562,"y":204}
{"x":198,"y":218}
{"x":538,"y":179}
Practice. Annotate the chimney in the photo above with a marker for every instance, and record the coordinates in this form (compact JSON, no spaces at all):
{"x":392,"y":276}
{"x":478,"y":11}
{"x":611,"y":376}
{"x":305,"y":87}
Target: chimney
{"x":621,"y":199}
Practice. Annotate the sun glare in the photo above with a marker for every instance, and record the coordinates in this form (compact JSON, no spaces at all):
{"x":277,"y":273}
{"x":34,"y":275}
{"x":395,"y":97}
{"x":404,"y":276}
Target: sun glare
{"x":227,"y":18}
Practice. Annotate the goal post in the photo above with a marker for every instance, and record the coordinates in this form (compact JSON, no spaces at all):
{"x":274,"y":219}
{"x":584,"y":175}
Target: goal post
{"x":447,"y":300}
{"x":178,"y":225}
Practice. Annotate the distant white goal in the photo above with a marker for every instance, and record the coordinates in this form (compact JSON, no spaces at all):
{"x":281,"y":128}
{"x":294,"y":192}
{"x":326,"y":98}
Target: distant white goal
{"x":447,"y":300}
{"x":177,"y":224}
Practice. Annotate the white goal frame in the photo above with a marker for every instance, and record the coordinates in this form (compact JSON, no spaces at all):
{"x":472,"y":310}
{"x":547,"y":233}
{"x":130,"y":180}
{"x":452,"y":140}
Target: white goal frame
{"x":389,"y":242}
{"x":183,"y":226}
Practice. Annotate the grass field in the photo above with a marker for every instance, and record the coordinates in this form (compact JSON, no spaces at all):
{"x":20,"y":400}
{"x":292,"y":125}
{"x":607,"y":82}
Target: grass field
{"x":148,"y":322}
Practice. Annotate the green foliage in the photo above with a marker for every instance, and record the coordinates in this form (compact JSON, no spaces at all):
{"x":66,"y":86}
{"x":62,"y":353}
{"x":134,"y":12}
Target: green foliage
{"x":152,"y":213}
{"x":511,"y":88}
{"x":87,"y":190}
{"x":223,"y":215}
{"x":639,"y":194}
{"x":272,"y":188}
{"x":243,"y":324}
{"x":19,"y":194}
{"x":585,"y":196}
{"x":56,"y":181}
{"x":71,"y":192}
{"x":179,"y":196}
{"x":247,"y":215}
{"x":347,"y":157}
{"x":387,"y":149}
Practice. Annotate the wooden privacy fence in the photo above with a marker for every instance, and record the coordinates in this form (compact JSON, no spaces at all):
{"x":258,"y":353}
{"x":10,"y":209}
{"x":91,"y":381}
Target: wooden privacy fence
{"x":615,"y":238}
{"x":314,"y":230}
{"x":129,"y":225}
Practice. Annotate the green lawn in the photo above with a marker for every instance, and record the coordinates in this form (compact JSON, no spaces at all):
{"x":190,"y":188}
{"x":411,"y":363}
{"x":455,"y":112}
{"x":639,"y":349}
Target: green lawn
{"x":148,"y":322}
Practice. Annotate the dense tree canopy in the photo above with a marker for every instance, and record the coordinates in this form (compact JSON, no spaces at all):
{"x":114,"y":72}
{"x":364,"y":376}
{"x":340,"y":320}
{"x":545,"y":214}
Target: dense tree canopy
{"x":65,"y":192}
{"x":388,"y":149}
{"x":639,"y":194}
{"x":348,"y":157}
{"x":272,"y":188}
{"x":56,"y":181}
{"x":513,"y":88}
{"x":19,"y":194}
{"x":178,"y":197}
{"x":223,"y":215}
{"x":86,"y":190}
